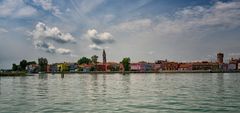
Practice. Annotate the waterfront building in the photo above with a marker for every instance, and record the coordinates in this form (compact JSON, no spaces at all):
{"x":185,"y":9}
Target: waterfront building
{"x":121,"y":67}
{"x":48,"y":69}
{"x":113,"y":66}
{"x":157,"y":67}
{"x":73,"y":67}
{"x":53,"y":68}
{"x":170,"y":66}
{"x":166,"y":65}
{"x":32,"y":68}
{"x":63,"y":67}
{"x":142,"y":66}
{"x":220,"y":58}
{"x":204,"y":65}
{"x":135,"y":67}
{"x":185,"y":66}
{"x":101,"y":67}
{"x":233,"y":64}
{"x":85,"y":67}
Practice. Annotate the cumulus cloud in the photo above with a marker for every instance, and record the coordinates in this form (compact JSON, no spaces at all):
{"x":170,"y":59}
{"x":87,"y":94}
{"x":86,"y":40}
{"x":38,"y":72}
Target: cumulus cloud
{"x":50,"y":48}
{"x":42,"y":32}
{"x":95,"y":47}
{"x":63,"y":51}
{"x":2,"y":30}
{"x":99,"y":38}
{"x":48,"y":6}
{"x":16,"y":9}
{"x":42,"y":35}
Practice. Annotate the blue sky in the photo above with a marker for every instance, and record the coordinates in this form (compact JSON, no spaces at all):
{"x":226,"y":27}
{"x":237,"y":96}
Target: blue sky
{"x":65,"y":30}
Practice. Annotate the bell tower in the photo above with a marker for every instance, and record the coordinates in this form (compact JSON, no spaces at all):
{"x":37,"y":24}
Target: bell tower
{"x":104,"y":57}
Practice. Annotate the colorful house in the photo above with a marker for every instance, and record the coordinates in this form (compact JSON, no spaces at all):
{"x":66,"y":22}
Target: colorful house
{"x":53,"y":68}
{"x":63,"y":67}
{"x":85,"y":67}
{"x":141,"y":66}
{"x":170,"y":66}
{"x":205,"y":66}
{"x":101,"y":67}
{"x":185,"y":66}
{"x":73,"y":67}
{"x":32,"y":68}
{"x":113,"y":66}
{"x":135,"y":67}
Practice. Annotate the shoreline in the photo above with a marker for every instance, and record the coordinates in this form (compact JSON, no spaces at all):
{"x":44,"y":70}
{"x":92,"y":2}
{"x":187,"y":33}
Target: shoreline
{"x":117,"y":72}
{"x":2,"y":74}
{"x":129,"y":72}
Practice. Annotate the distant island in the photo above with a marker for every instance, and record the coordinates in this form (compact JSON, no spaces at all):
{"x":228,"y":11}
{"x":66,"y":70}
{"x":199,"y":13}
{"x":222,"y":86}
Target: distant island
{"x":91,"y":65}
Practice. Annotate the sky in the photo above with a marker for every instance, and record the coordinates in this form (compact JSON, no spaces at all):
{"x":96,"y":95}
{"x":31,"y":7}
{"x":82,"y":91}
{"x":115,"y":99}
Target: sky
{"x":144,"y":30}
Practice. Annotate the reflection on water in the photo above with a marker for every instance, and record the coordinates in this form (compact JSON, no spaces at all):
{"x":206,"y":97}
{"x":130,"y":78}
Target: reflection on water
{"x":0,"y":87}
{"x":62,"y":75}
{"x":121,"y":93}
{"x":43,"y":76}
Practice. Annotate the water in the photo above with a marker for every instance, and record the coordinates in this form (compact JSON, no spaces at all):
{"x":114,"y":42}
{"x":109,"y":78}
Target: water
{"x":149,"y":93}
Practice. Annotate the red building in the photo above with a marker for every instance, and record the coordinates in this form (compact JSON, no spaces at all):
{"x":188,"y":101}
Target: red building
{"x":185,"y":66}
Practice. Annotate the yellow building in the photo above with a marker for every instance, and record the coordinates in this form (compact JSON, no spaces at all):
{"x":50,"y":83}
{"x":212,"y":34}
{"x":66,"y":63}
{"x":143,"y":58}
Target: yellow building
{"x":63,"y":67}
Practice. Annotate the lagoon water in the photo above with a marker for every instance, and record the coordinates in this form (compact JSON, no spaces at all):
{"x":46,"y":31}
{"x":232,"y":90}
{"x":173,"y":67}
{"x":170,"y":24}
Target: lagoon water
{"x":148,"y":93}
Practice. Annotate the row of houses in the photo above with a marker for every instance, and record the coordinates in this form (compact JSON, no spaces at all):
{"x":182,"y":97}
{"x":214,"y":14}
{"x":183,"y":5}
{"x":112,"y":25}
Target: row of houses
{"x":161,"y":65}
{"x":74,"y":67}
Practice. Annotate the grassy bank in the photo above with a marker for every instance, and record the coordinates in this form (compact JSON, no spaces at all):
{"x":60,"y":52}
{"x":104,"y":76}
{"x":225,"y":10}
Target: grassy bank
{"x":13,"y":74}
{"x":169,"y":71}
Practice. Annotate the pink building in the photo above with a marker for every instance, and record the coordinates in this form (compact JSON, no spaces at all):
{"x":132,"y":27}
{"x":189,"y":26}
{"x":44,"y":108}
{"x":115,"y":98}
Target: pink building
{"x":135,"y":67}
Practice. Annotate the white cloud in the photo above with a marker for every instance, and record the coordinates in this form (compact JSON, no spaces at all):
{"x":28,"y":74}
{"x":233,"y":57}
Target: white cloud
{"x":2,"y":30}
{"x":43,"y":32}
{"x":48,"y":6}
{"x":63,"y":51}
{"x":50,"y":48}
{"x":92,"y":33}
{"x":16,"y":9}
{"x":95,"y":47}
{"x":99,"y":38}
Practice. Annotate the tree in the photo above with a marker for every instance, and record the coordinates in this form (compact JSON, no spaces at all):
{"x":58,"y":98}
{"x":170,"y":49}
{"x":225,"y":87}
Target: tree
{"x":23,"y":65}
{"x":31,"y":62}
{"x":126,"y":63}
{"x":94,"y":59}
{"x":14,"y":67}
{"x":42,"y":62}
{"x":84,"y":60}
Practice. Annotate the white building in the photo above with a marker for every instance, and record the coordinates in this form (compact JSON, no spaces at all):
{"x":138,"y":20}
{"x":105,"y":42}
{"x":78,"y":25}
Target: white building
{"x":232,"y":67}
